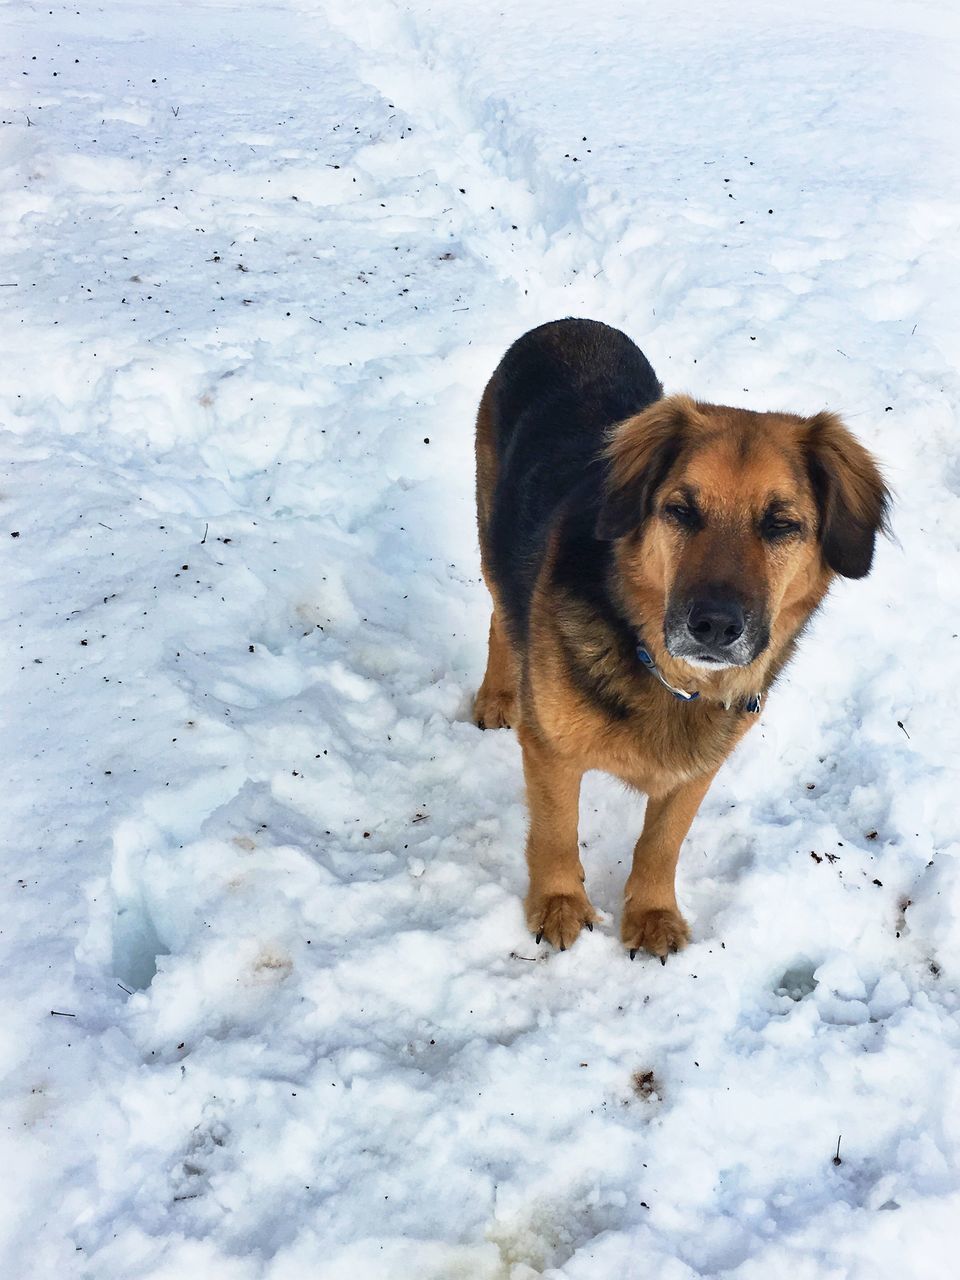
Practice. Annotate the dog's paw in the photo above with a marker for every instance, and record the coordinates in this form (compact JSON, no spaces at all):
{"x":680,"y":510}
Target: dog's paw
{"x":658,"y":930}
{"x":494,"y":709}
{"x":559,"y":917}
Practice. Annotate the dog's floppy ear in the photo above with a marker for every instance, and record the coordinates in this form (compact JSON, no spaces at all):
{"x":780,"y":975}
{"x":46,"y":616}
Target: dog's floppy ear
{"x":638,"y":458}
{"x":852,"y":499}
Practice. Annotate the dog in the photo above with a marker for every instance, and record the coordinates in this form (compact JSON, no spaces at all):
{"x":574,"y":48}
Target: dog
{"x":652,"y":561}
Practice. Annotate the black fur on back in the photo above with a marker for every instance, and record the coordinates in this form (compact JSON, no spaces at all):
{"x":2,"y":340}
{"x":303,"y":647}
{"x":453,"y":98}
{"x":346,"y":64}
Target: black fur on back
{"x":556,"y":392}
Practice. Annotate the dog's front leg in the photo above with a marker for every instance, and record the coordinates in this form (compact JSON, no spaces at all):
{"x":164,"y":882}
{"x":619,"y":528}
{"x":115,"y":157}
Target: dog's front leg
{"x":557,"y":905}
{"x":651,"y":921}
{"x":495,"y":706}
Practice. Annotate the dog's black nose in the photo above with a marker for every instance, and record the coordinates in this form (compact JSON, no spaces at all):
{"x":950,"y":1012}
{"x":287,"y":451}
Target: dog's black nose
{"x":716,"y":624}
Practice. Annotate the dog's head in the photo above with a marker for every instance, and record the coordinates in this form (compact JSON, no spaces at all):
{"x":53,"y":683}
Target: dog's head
{"x":730,"y":524}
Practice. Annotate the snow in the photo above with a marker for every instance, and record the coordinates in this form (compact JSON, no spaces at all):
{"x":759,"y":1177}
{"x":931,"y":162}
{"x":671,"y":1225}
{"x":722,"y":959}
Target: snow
{"x":257,"y":263}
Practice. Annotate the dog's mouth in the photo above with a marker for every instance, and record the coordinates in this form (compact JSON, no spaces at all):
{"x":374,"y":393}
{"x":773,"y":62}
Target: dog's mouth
{"x":705,"y":660}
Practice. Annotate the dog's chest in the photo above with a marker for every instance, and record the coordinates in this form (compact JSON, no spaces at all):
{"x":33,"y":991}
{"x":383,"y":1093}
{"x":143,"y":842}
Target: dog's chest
{"x":658,"y":751}
{"x":654,"y":745}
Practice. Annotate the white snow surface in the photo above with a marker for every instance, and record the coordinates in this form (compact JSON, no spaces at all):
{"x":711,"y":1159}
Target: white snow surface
{"x":270,"y":1009}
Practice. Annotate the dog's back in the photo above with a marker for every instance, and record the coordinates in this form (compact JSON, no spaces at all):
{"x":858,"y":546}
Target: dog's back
{"x":540,"y":432}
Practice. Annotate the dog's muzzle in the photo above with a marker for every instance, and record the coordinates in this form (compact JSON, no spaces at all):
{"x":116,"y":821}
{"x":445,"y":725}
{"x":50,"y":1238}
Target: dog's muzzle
{"x":714,"y":630}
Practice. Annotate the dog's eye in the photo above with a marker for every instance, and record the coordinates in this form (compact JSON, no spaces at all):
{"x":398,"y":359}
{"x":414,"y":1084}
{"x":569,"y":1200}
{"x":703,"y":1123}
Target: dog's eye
{"x":684,"y":515}
{"x":777,"y":526}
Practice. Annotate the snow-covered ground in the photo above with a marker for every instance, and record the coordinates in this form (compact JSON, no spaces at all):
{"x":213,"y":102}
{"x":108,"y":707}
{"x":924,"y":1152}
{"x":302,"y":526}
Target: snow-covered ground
{"x":270,"y":1009}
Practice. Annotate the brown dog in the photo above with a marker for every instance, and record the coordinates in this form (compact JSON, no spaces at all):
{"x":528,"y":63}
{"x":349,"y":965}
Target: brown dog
{"x":652,"y":563}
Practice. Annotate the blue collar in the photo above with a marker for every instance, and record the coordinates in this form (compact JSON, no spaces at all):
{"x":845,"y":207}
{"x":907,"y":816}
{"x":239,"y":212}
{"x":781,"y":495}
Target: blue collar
{"x":751,"y":704}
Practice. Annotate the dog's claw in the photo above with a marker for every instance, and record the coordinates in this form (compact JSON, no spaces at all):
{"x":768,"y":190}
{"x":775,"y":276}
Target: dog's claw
{"x":562,"y":947}
{"x":589,"y":924}
{"x":633,"y":953}
{"x":657,"y":931}
{"x":539,"y":936}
